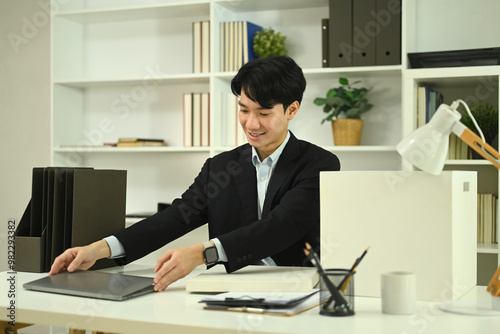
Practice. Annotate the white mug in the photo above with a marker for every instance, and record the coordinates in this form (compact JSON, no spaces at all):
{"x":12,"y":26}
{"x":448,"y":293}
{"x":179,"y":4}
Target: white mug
{"x":398,"y":292}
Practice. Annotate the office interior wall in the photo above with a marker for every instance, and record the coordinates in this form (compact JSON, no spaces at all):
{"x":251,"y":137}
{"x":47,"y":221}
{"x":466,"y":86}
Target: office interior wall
{"x":24,"y":105}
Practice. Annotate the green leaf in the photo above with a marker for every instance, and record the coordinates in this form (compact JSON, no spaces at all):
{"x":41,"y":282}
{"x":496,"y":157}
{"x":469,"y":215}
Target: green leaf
{"x":319,"y":101}
{"x":335,"y":101}
{"x":343,"y":81}
{"x":366,"y":107}
{"x":352,"y":113}
{"x":331,"y":93}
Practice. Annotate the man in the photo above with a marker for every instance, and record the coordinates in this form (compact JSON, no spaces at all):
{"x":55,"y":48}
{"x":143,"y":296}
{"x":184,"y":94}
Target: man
{"x":260,"y":200}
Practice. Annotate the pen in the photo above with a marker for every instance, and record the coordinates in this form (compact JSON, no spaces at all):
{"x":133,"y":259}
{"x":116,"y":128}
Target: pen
{"x":339,"y":299}
{"x":345,"y":282}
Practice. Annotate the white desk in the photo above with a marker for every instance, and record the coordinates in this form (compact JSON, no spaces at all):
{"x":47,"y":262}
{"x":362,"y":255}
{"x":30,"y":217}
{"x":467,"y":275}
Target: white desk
{"x":175,"y":311}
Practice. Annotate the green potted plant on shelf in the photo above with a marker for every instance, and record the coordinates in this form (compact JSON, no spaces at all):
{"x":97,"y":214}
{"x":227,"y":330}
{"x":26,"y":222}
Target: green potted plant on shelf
{"x":487,"y":118}
{"x":268,"y":42}
{"x":344,"y":106}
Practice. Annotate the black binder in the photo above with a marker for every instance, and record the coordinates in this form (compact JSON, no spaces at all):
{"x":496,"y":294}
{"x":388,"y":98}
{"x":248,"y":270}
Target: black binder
{"x":389,"y":37}
{"x":71,"y":207}
{"x":364,"y":35}
{"x":340,"y":33}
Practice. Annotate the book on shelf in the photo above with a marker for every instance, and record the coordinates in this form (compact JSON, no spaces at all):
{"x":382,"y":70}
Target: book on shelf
{"x":486,"y":218}
{"x":428,"y":101}
{"x":196,"y":119}
{"x":140,"y":142}
{"x":233,"y":134}
{"x":201,"y":47}
{"x":457,"y":149}
{"x":236,"y":44}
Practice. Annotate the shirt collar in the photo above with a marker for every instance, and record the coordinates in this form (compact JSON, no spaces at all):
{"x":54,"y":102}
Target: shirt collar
{"x":273,"y":158}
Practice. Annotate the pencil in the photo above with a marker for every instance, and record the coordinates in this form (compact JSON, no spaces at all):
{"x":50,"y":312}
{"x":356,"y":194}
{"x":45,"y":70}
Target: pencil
{"x":339,"y":299}
{"x":345,"y":282}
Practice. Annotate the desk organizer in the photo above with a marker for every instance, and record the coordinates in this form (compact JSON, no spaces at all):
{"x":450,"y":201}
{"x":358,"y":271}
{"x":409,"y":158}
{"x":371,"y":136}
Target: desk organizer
{"x":69,"y":207}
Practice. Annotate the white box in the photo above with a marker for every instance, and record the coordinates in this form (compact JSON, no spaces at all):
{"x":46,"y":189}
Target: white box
{"x":412,"y":221}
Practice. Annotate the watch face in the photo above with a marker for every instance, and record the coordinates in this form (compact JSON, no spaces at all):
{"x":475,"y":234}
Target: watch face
{"x":211,"y":255}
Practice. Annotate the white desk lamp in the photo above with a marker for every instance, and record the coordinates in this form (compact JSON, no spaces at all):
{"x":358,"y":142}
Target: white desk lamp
{"x":426,"y":149}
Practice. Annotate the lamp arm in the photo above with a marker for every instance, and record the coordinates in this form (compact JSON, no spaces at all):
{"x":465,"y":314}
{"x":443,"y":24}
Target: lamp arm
{"x":476,"y":143}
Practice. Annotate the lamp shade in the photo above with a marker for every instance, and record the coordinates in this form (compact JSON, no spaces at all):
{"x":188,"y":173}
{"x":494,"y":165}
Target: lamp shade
{"x":426,"y":148}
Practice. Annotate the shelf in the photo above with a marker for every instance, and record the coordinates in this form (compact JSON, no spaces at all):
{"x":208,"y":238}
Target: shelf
{"x":118,"y":150}
{"x":131,"y":13}
{"x":453,"y":73}
{"x":150,"y":79}
{"x":366,"y":71}
{"x":100,"y":56}
{"x":469,"y":162}
{"x":487,"y":248}
{"x":360,"y":149}
{"x":322,"y":73}
{"x":265,"y":5}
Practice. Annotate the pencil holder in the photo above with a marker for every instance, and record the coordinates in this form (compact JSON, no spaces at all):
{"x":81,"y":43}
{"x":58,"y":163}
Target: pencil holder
{"x":337,"y":292}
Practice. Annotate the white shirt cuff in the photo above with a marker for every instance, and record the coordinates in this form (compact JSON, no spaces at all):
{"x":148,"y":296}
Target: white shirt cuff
{"x":115,"y":246}
{"x":220,"y":250}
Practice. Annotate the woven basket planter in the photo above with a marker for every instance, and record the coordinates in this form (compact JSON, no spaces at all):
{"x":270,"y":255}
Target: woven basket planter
{"x":347,"y":132}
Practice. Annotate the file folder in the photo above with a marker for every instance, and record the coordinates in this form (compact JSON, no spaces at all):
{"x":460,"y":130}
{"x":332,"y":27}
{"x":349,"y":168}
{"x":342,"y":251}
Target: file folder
{"x":389,"y":38}
{"x":340,"y":33}
{"x":74,"y":207}
{"x":364,"y":35}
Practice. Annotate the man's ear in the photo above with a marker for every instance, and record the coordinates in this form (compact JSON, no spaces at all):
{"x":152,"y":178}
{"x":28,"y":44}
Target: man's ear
{"x":292,"y":110}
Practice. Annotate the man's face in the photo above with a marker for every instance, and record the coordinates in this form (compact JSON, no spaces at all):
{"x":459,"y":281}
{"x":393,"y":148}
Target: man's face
{"x":265,"y":129}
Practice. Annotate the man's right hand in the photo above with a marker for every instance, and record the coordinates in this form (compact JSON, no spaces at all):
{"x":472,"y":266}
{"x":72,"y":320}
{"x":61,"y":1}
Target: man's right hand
{"x":80,"y":258}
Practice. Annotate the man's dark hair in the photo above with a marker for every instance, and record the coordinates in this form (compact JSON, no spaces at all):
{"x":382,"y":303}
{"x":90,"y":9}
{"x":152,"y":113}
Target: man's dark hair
{"x":270,"y":81}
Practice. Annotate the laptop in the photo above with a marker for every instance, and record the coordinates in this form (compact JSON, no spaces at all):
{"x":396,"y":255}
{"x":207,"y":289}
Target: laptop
{"x":94,"y":284}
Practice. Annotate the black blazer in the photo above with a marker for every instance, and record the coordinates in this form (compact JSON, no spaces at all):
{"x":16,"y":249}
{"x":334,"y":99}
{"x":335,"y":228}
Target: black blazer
{"x":224,"y":195}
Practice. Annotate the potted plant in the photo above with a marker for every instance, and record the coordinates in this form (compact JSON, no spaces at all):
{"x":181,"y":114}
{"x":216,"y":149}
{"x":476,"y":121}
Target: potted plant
{"x":344,"y":106}
{"x":486,"y":117}
{"x":268,"y":42}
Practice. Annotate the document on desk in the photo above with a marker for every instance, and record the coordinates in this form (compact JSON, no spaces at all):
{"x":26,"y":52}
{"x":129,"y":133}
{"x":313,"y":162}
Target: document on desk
{"x":281,"y":303}
{"x":256,"y":279}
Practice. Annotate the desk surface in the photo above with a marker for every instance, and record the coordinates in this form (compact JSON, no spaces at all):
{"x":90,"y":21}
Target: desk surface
{"x":176,"y":311}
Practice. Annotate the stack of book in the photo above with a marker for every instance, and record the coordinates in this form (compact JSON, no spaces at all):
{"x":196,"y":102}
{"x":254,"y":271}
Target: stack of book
{"x":486,"y":218}
{"x":457,"y":149}
{"x":196,"y":119}
{"x":201,"y":47}
{"x":236,"y":44}
{"x":140,"y":142}
{"x":428,"y":100}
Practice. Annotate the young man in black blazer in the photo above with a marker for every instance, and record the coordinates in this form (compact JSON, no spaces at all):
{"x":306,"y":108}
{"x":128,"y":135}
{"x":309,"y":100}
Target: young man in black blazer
{"x":260,"y":200}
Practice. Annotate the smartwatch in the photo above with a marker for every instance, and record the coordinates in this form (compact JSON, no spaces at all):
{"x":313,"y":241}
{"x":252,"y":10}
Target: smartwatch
{"x":210,"y":253}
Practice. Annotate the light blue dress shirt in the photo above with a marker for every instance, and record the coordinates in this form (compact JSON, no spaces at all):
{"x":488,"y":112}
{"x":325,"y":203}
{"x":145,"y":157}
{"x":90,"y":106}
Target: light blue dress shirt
{"x":264,"y":170}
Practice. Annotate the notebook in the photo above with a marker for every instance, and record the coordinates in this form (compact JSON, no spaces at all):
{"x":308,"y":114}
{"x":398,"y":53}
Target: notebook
{"x":94,"y":284}
{"x":255,"y":278}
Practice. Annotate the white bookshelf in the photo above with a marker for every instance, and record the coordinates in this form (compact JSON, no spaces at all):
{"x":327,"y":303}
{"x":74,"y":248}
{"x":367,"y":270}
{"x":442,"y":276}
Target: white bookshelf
{"x":435,"y":26}
{"x":120,"y":67}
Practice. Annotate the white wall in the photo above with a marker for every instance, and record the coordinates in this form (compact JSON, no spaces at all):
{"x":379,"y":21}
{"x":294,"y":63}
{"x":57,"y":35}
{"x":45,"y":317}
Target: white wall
{"x":24,"y":105}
